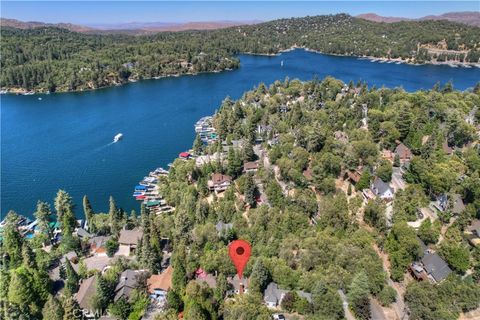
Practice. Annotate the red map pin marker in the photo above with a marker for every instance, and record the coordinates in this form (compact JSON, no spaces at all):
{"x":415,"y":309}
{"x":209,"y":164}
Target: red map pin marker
{"x":240,"y":251}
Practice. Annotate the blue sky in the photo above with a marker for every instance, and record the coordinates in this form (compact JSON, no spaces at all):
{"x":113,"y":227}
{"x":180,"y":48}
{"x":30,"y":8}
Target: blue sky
{"x":92,"y":12}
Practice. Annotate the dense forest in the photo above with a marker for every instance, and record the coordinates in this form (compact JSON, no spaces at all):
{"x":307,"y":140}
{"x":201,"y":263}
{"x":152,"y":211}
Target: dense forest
{"x":51,"y":59}
{"x":312,"y":227}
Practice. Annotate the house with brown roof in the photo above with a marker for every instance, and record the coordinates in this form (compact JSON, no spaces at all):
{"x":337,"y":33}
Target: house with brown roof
{"x":354,"y":175}
{"x":98,"y":245}
{"x":85,"y":295}
{"x":251,"y":166}
{"x":128,"y":240}
{"x":403,"y":152}
{"x":219,"y":182}
{"x":159,"y":284}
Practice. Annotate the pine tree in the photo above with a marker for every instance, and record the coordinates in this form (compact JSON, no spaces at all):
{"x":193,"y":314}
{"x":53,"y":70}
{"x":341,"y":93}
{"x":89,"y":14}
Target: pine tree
{"x":248,"y":153}
{"x":52,"y":310}
{"x":63,"y":203}
{"x":259,"y":277}
{"x":28,"y":256}
{"x":113,"y":216}
{"x":12,"y":240}
{"x":71,"y":278}
{"x":396,"y":161}
{"x":249,"y":191}
{"x":145,"y":218}
{"x":71,"y":308}
{"x":105,"y":292}
{"x":364,"y":181}
{"x":68,"y":226}
{"x":43,"y":216}
{"x":198,"y":145}
{"x":89,"y":214}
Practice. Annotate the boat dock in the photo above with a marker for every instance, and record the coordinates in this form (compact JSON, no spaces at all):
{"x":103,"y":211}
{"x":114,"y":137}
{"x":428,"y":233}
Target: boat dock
{"x":204,"y":128}
{"x":147,"y":191}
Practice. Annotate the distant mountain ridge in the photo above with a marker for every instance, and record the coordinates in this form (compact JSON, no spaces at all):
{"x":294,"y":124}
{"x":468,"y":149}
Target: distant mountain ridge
{"x":14,"y":23}
{"x":471,"y":18}
{"x":129,"y":27}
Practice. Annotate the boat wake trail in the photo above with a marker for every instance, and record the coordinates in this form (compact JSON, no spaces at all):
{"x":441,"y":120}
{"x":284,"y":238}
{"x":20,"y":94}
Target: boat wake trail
{"x":104,"y":146}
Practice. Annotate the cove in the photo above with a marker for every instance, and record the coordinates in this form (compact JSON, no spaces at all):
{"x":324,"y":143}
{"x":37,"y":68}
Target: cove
{"x":63,"y":140}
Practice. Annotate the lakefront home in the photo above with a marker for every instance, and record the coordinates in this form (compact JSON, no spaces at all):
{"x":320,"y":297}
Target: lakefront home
{"x":219,"y":182}
{"x":128,"y":241}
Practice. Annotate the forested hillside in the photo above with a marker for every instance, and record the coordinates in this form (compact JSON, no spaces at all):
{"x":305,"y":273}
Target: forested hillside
{"x":300,"y":163}
{"x":59,"y":60}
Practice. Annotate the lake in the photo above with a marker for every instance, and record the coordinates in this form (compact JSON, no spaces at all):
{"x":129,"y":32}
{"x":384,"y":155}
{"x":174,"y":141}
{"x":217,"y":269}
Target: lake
{"x":64,"y":140}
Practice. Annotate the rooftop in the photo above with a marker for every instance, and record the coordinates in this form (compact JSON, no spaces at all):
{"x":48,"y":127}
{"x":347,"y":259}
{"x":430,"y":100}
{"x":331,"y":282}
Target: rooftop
{"x":86,"y":292}
{"x":161,"y":281}
{"x":130,"y":237}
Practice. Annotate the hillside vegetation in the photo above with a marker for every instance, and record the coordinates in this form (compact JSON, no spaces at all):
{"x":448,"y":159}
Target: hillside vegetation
{"x":59,"y":60}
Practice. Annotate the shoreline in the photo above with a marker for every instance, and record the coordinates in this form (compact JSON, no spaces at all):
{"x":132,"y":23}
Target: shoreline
{"x":452,"y":64}
{"x":23,"y":92}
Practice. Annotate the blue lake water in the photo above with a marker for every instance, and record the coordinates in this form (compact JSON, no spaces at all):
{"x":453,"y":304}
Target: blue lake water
{"x":63,"y":140}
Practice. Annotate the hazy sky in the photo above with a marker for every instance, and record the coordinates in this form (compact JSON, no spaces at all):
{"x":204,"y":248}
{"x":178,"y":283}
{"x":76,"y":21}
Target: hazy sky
{"x":91,"y":12}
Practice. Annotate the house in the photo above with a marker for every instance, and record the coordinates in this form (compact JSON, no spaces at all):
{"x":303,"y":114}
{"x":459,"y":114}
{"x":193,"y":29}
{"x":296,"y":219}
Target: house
{"x":219,"y":182}
{"x":430,"y":267}
{"x":159,"y":284}
{"x":128,"y":240}
{"x":472,"y":233}
{"x":83,"y":234}
{"x":208,"y":278}
{"x":235,"y":144}
{"x":436,"y":268}
{"x":71,"y":256}
{"x":354,"y":175}
{"x":97,"y":245}
{"x":403,"y":152}
{"x":239,"y":286}
{"x":99,"y":263}
{"x":223,"y":227}
{"x":85,"y":295}
{"x":251,"y":166}
{"x":457,"y":204}
{"x":441,"y":202}
{"x":129,"y":280}
{"x":381,"y":189}
{"x":273,"y":295}
{"x":184,"y":155}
